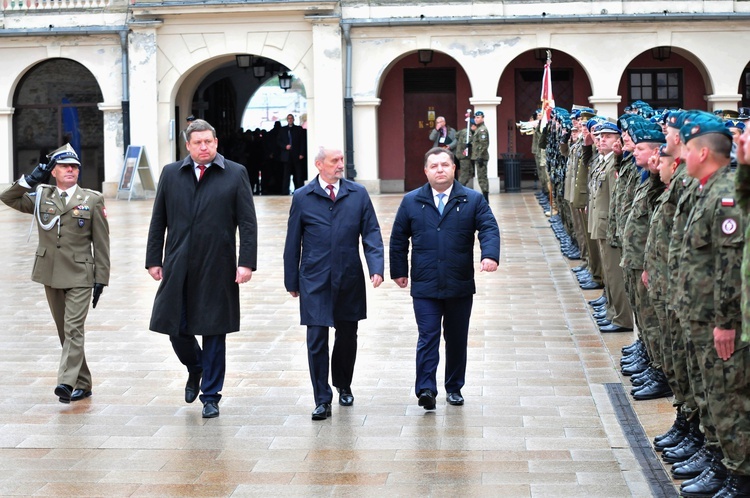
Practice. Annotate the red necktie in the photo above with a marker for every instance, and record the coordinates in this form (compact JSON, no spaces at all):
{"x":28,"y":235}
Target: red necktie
{"x":201,"y":167}
{"x":330,"y":192}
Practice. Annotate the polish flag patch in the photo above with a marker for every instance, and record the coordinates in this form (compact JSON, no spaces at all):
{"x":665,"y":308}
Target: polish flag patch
{"x":727,"y":201}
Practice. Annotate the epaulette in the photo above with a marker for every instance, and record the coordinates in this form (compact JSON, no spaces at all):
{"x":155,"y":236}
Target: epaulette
{"x":92,"y":191}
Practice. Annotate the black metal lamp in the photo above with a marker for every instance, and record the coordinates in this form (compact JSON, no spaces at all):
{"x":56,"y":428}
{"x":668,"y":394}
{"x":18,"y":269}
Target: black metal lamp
{"x":661,"y":53}
{"x":285,"y":81}
{"x":425,"y":56}
{"x":243,"y":60}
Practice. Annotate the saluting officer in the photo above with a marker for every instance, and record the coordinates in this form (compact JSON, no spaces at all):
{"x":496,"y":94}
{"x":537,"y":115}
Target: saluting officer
{"x":72,"y":257}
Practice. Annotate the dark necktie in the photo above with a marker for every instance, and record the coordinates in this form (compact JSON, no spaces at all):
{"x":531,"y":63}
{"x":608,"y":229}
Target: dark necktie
{"x":64,"y":197}
{"x":201,"y":167}
{"x":330,"y":192}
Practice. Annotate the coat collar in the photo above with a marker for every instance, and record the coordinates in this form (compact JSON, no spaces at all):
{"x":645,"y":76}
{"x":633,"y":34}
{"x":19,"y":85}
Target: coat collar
{"x":424,"y":193}
{"x":313,"y":187}
{"x":218,"y":161}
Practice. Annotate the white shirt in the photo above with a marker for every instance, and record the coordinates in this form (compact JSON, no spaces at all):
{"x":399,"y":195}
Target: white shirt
{"x":447,"y":193}
{"x":197,"y":170}
{"x":68,"y":191}
{"x":324,"y":186}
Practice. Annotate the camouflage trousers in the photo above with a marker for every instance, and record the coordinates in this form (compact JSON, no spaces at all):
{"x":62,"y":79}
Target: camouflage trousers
{"x":467,"y":173}
{"x":541,"y":171}
{"x":695,"y":377}
{"x":646,"y":318}
{"x":674,"y":362}
{"x":727,"y":395}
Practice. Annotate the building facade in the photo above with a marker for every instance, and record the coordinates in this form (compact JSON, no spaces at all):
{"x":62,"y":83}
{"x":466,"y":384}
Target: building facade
{"x":111,"y":73}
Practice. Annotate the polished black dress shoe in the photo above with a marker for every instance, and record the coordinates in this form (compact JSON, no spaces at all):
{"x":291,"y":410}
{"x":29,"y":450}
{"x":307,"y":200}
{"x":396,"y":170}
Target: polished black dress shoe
{"x":599,"y":309}
{"x":615,"y":328}
{"x":599,"y":301}
{"x":455,"y":399}
{"x":600,"y":315}
{"x":579,"y":269}
{"x":210,"y":409}
{"x":322,"y":411}
{"x":591,"y":286}
{"x":79,"y":394}
{"x":193,"y":386}
{"x":427,"y":399}
{"x":632,"y":347}
{"x":64,"y":392}
{"x":346,"y":398}
{"x":693,"y":466}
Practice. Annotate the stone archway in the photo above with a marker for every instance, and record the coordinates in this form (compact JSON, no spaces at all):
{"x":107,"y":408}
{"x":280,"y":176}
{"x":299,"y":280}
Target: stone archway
{"x":56,"y":103}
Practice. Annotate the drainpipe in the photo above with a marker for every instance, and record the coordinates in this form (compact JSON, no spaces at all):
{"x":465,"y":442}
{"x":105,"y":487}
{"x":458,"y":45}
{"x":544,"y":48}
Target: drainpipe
{"x":351,"y":172}
{"x":125,"y":91}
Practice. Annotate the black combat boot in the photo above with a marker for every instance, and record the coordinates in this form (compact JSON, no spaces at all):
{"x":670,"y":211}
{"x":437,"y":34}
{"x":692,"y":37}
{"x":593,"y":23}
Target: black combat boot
{"x":695,"y":465}
{"x":688,"y":447}
{"x":735,"y":486}
{"x":708,"y":483}
{"x":675,"y":434}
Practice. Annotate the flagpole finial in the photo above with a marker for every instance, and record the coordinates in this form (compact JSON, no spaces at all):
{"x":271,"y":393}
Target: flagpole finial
{"x":549,"y":56}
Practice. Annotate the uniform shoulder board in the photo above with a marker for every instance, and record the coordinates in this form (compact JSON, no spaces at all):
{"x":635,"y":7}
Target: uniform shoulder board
{"x":92,"y":191}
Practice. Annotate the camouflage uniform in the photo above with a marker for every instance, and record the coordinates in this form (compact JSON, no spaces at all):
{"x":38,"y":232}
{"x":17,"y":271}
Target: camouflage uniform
{"x":685,"y":362}
{"x":656,"y":266}
{"x":634,"y":237}
{"x":742,"y":185}
{"x":480,"y":143}
{"x":463,"y":144}
{"x":710,"y":280}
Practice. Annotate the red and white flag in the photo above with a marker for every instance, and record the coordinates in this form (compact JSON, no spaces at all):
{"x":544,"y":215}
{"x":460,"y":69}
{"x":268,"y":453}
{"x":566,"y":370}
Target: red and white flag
{"x":548,"y":101}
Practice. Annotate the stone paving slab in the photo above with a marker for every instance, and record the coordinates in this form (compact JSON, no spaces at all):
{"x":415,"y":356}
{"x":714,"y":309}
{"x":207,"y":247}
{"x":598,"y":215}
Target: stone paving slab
{"x":537,"y":421}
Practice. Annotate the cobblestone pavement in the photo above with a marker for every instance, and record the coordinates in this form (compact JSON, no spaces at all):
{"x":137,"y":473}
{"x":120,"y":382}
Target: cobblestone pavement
{"x":537,"y":419}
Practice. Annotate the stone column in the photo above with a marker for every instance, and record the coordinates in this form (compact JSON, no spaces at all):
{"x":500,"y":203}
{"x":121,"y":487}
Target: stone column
{"x":489,"y":108}
{"x":146,"y":129}
{"x":605,"y":106}
{"x":366,"y":147}
{"x":6,"y":136}
{"x":718,"y":102}
{"x":325,"y":99}
{"x":113,"y":147}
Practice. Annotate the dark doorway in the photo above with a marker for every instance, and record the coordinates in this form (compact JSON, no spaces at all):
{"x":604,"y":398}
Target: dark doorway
{"x":428,"y":93}
{"x":56,"y":103}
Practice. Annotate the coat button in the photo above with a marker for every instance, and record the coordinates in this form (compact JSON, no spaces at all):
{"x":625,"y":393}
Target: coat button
{"x":438,"y":229}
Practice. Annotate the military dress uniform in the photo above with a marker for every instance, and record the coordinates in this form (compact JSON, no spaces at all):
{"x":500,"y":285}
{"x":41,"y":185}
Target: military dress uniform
{"x":66,"y":264}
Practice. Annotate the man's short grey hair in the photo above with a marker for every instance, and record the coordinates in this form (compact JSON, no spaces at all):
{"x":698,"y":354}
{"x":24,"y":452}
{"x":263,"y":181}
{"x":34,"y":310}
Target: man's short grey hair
{"x":199,"y":125}
{"x":438,"y":150}
{"x":322,"y":152}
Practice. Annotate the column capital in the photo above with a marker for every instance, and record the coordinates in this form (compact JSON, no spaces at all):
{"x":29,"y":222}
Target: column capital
{"x":732,"y":97}
{"x":7,"y":111}
{"x":486,"y":102}
{"x":594,"y":99}
{"x":109,"y":106}
{"x":367,"y":101}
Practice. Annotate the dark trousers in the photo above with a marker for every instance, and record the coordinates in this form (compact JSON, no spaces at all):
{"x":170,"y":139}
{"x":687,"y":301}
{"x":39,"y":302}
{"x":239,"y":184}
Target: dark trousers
{"x":453,"y":315}
{"x":342,"y":360}
{"x":293,"y":168}
{"x":211,"y":359}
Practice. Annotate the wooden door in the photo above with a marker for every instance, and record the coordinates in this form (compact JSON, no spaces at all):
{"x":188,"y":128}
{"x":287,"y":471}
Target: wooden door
{"x":428,"y":93}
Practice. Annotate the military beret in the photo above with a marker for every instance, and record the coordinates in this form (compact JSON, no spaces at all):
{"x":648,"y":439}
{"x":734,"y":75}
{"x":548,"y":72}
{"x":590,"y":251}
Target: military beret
{"x":626,"y":120}
{"x":606,"y":127}
{"x":646,"y":132}
{"x":480,"y":113}
{"x":663,"y":151}
{"x":704,"y":125}
{"x":677,"y":119}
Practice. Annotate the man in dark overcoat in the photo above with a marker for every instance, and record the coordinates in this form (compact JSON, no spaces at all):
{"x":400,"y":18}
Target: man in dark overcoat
{"x":291,"y":145}
{"x":440,"y":219}
{"x":322,"y":266}
{"x":201,"y":203}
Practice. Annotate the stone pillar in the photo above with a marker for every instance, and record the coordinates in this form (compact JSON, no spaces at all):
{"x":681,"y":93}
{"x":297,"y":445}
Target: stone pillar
{"x":6,"y":136}
{"x":114,"y":154}
{"x":144,"y":116}
{"x":718,"y":102}
{"x":325,"y":100}
{"x":489,"y":108}
{"x":366,"y":147}
{"x":606,"y":106}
